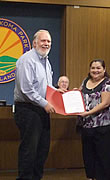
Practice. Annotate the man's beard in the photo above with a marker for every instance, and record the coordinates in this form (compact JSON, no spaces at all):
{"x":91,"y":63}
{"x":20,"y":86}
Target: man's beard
{"x":43,"y":54}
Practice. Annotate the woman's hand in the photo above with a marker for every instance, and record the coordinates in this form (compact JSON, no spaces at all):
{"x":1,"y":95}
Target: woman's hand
{"x":86,"y":113}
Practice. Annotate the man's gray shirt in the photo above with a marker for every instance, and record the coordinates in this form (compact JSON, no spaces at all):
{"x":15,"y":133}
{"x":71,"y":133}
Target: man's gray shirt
{"x":33,"y":74}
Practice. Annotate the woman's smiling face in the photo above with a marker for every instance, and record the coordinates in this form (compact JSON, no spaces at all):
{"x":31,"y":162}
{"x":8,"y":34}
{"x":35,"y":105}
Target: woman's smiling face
{"x":97,"y":71}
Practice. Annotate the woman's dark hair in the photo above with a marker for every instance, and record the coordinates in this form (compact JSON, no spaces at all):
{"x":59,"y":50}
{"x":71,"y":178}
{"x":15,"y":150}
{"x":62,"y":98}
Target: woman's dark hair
{"x":103,"y":65}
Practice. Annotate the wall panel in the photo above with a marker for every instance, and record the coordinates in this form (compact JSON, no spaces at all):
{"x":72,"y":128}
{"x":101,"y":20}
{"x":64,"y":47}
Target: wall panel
{"x":87,"y":38}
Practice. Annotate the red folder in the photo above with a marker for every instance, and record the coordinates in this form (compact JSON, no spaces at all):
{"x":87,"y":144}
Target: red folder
{"x":55,"y":98}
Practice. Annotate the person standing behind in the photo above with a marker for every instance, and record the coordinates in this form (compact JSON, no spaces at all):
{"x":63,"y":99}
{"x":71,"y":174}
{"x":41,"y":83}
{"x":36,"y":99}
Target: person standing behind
{"x":95,"y":121}
{"x":63,"y":83}
{"x":33,"y":74}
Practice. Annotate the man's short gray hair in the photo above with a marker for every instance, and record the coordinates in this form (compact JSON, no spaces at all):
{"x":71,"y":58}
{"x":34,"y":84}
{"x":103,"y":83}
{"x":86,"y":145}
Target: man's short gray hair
{"x":38,"y":32}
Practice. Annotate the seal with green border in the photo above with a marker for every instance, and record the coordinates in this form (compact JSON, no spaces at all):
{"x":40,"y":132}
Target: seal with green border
{"x":13,"y":43}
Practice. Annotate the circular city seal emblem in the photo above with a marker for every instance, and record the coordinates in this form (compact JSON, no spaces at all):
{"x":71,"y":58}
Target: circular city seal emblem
{"x":13,"y":43}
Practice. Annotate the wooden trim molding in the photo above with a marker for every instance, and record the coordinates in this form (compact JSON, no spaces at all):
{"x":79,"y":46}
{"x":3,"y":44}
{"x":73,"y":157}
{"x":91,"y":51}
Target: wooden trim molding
{"x":94,"y":3}
{"x":58,"y":2}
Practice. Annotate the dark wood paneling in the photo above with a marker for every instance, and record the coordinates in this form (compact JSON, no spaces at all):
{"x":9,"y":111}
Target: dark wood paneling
{"x":8,"y":128}
{"x":65,"y":147}
{"x":8,"y":154}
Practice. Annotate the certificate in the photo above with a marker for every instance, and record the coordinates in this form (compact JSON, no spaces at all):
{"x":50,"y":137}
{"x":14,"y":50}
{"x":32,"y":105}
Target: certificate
{"x":68,"y":103}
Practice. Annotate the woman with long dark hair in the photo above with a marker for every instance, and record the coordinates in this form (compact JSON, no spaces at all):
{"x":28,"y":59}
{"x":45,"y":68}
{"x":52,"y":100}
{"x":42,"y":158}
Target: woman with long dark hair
{"x":95,"y":122}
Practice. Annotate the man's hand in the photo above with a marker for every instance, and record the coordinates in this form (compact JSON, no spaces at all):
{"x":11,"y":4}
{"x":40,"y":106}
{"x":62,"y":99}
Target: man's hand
{"x":49,"y":108}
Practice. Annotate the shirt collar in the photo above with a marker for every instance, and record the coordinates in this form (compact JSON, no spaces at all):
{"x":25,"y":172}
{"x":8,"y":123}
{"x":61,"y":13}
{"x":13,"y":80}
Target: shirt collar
{"x":42,"y":58}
